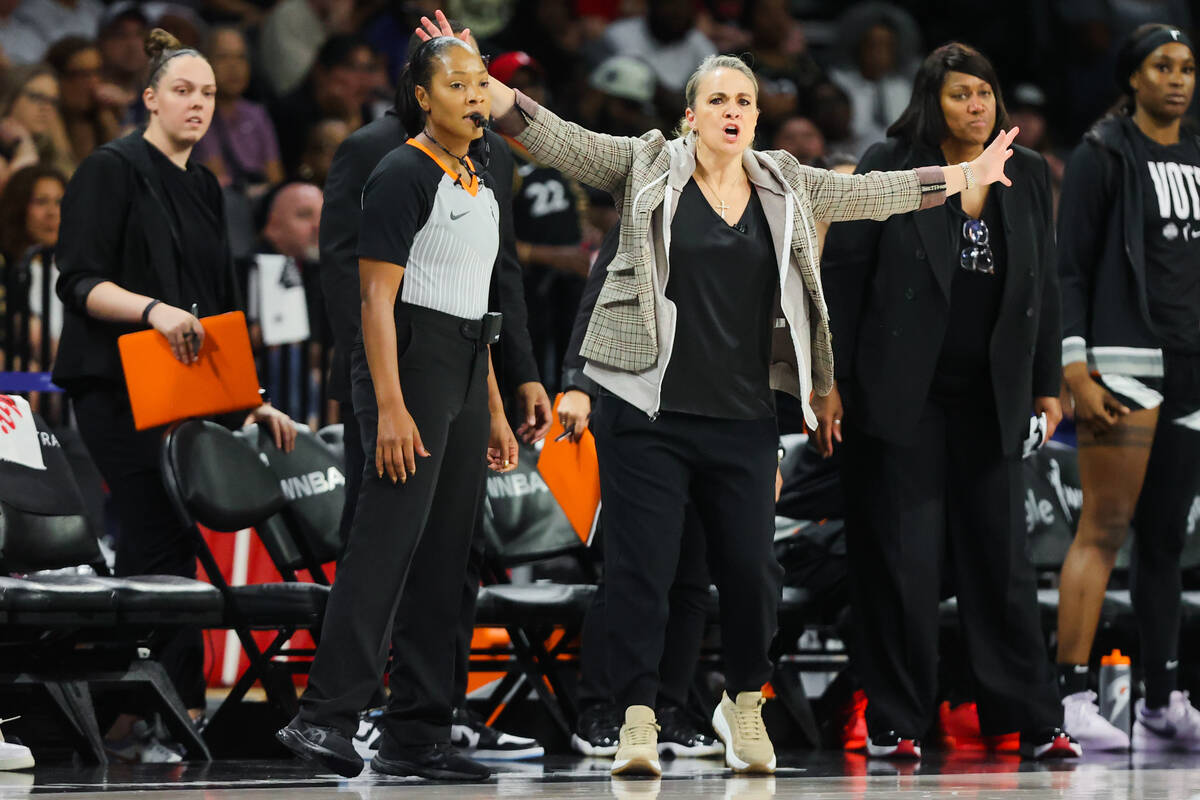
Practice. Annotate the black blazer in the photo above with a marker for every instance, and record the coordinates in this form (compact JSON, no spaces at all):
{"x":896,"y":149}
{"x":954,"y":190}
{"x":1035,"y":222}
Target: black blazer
{"x":887,"y":285}
{"x":353,"y":163}
{"x":116,"y":227}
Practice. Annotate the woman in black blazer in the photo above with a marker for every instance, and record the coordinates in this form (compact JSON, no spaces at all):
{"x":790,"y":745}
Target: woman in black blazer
{"x":143,"y":238}
{"x":946,"y":337}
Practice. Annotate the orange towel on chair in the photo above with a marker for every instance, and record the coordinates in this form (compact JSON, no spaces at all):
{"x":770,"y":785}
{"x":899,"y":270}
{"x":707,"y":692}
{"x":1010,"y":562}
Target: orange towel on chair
{"x":162,"y":390}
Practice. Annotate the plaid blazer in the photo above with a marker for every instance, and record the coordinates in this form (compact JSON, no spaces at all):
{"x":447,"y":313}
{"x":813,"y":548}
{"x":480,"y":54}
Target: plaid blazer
{"x":623,"y":334}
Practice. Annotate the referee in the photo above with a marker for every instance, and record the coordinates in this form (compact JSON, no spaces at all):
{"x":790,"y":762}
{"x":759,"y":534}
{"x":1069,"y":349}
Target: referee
{"x":428,"y":407}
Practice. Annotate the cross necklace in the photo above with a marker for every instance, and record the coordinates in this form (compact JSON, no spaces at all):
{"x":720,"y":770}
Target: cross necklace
{"x":723,"y":206}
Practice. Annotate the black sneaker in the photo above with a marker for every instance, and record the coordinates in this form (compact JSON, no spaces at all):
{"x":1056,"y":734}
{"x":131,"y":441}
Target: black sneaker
{"x":469,"y":733}
{"x":893,"y":745}
{"x":439,"y":762}
{"x":326,"y":746}
{"x":1050,"y":743}
{"x":598,"y":731}
{"x":680,"y":737}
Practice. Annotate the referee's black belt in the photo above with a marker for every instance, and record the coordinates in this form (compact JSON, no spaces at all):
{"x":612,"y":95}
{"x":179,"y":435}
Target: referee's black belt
{"x":483,"y":331}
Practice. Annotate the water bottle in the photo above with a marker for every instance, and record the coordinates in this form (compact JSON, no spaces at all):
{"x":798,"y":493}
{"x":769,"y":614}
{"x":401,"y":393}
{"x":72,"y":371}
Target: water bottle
{"x":1116,"y":690}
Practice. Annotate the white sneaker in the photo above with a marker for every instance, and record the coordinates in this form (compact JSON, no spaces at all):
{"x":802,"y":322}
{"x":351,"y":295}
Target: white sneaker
{"x":141,"y":746}
{"x":14,"y":756}
{"x":369,"y":734}
{"x":1176,"y":727}
{"x":1082,"y":720}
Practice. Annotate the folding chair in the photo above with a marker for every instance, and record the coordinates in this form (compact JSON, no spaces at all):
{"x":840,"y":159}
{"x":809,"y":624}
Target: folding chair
{"x":218,"y":482}
{"x":73,"y":633}
{"x":305,"y":534}
{"x":521,"y":529}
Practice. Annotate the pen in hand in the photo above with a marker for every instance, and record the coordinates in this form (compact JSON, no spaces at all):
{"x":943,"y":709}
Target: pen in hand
{"x":564,"y":434}
{"x":190,"y":336}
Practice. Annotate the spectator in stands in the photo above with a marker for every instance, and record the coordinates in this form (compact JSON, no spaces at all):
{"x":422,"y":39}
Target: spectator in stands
{"x":248,"y":14}
{"x":1028,"y":112}
{"x":619,"y":97}
{"x":666,"y":37}
{"x":423,"y":374}
{"x":339,"y":88}
{"x":31,"y":102}
{"x":121,"y":271}
{"x":29,"y":220}
{"x":20,"y":42}
{"x":182,"y":22}
{"x":91,"y":109}
{"x":876,"y":69}
{"x":833,"y":115}
{"x":518,"y":376}
{"x":663,"y":429}
{"x":800,"y":137}
{"x":944,"y":345}
{"x":549,"y":218}
{"x":292,"y":36}
{"x":553,"y":33}
{"x":786,"y":71}
{"x":56,"y":19}
{"x":122,"y":34}
{"x":283,"y":299}
{"x":1131,"y":307}
{"x":241,"y":147}
{"x":323,"y":141}
{"x":28,"y":104}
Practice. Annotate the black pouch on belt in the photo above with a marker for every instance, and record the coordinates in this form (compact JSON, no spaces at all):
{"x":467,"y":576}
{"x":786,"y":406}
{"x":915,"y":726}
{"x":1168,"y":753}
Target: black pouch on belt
{"x":490,"y":333}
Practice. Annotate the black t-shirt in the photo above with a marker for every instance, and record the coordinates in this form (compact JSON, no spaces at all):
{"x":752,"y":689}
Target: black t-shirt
{"x":194,"y":202}
{"x":723,"y":282}
{"x":975,"y":297}
{"x":1170,"y":179}
{"x":545,"y":208}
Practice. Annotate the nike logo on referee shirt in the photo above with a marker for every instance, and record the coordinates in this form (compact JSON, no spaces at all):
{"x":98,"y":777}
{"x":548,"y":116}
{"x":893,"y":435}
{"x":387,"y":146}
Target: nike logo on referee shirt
{"x":454,"y":216}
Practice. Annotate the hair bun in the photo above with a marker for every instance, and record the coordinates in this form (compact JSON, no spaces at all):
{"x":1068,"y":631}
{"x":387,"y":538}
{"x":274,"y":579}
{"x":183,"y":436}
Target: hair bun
{"x":158,"y":41}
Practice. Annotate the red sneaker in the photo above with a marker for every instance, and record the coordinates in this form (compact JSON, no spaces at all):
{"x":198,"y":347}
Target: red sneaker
{"x":892,"y":745}
{"x":854,"y":729}
{"x":960,"y":731}
{"x":1051,"y":743}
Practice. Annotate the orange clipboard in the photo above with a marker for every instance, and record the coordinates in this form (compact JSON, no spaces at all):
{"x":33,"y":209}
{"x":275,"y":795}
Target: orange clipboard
{"x":572,"y":474}
{"x":162,"y":390}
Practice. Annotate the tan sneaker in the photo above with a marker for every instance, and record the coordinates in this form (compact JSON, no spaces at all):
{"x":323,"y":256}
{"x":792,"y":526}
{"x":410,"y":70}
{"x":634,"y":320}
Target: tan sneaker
{"x":740,"y":726}
{"x":637,"y":754}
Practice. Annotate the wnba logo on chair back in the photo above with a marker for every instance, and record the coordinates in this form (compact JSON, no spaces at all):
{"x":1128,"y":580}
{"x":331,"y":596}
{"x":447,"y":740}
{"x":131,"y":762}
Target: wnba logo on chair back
{"x":312,"y":483}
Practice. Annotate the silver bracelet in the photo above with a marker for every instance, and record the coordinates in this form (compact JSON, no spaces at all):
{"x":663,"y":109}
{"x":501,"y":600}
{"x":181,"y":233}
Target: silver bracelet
{"x":968,"y":175}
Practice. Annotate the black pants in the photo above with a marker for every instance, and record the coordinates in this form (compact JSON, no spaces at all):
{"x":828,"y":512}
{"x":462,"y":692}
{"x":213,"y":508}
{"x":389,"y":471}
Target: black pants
{"x":1161,"y":524}
{"x":687,"y":615}
{"x":444,"y":376}
{"x":649,"y":470}
{"x":412,"y":606}
{"x":152,"y":540}
{"x":952,"y":501}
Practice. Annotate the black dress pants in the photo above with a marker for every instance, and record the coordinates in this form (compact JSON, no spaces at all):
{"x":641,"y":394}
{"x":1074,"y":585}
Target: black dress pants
{"x":153,"y":540}
{"x":687,"y":616}
{"x":952,"y":501}
{"x":408,"y":537}
{"x":649,"y":470}
{"x":412,"y":605}
{"x":1161,"y":525}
